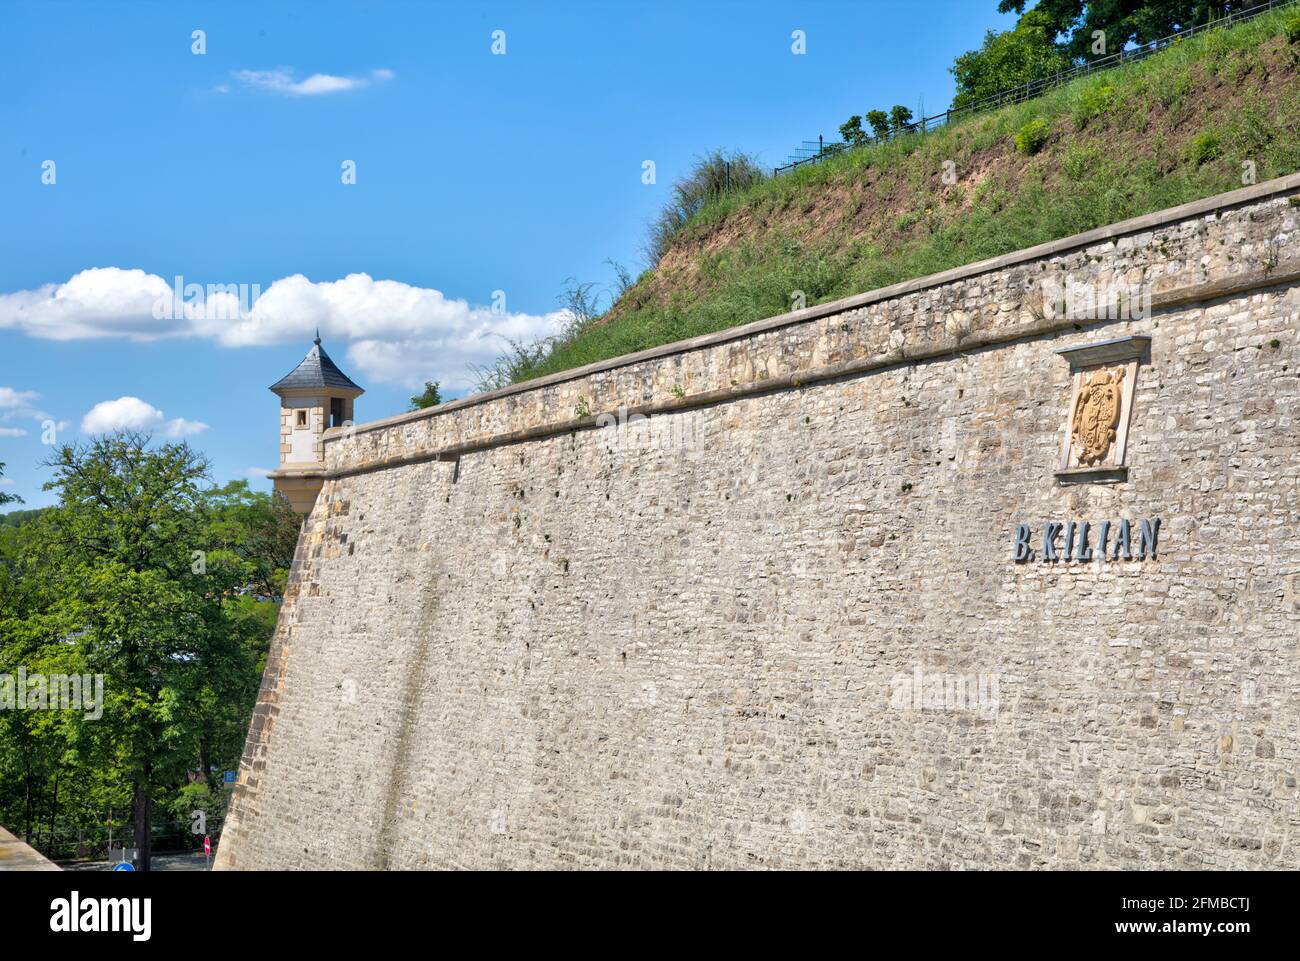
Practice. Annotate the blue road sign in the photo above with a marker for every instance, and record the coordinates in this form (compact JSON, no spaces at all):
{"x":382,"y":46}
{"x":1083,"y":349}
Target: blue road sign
{"x":228,"y":777}
{"x":123,"y":866}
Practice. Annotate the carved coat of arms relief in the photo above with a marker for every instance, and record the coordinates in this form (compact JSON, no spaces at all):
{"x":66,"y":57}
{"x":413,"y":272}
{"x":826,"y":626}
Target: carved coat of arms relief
{"x":1103,"y":378}
{"x":1096,"y":414}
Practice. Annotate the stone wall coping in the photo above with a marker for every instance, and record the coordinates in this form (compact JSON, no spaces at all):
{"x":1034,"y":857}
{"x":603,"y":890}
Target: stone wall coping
{"x":1134,"y":225}
{"x":1106,"y":352}
{"x":18,"y":856}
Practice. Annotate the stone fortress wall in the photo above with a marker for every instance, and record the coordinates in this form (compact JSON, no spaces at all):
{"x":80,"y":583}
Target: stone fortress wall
{"x":781,"y":622}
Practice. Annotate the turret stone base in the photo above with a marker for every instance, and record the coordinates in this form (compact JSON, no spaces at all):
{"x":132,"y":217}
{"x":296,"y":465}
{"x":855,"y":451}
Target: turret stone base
{"x":300,"y":485}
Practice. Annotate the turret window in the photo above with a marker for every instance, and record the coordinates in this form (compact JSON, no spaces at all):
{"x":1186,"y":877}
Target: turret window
{"x":302,"y":418}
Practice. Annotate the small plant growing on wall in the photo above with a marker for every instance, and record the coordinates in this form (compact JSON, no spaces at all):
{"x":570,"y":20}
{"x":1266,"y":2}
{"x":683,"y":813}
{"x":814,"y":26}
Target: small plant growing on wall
{"x":582,"y":408}
{"x":677,"y":391}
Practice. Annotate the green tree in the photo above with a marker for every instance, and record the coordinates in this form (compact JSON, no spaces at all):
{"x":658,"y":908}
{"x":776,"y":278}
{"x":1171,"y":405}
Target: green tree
{"x":258,"y":533}
{"x":879,"y":121}
{"x":851,"y":131}
{"x":20,"y":518}
{"x":1077,"y":22}
{"x":38,"y":749}
{"x":159,"y":583}
{"x":430,"y":397}
{"x":1009,"y":59}
{"x":131,"y":531}
{"x":249,"y":544}
{"x":899,"y":117}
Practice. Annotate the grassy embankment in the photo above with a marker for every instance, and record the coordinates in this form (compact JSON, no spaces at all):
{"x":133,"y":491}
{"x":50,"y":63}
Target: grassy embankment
{"x":1173,"y":128}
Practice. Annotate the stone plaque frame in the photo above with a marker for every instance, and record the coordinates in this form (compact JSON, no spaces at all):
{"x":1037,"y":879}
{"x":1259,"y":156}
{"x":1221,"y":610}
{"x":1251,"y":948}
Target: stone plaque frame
{"x":1122,"y":356}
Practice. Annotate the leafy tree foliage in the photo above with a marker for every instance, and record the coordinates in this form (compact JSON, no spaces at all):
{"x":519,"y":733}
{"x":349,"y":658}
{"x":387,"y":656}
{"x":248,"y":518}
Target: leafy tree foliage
{"x":147,"y":575}
{"x":1009,"y":59}
{"x":1076,"y":22}
{"x":883,"y":125}
{"x":19,"y":518}
{"x":899,"y":117}
{"x":254,"y":532}
{"x":851,"y":131}
{"x":429,"y":397}
{"x":879,"y":122}
{"x":1053,"y":35}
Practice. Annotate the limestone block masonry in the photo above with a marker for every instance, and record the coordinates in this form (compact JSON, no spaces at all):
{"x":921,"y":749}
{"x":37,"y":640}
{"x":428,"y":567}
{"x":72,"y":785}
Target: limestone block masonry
{"x":782,"y":625}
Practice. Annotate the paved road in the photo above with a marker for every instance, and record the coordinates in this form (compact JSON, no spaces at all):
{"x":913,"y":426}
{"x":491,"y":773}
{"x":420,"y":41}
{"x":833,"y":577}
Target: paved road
{"x":161,"y":862}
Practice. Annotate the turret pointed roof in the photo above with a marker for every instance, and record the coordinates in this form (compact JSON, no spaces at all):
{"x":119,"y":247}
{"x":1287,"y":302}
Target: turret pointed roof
{"x":317,"y":372}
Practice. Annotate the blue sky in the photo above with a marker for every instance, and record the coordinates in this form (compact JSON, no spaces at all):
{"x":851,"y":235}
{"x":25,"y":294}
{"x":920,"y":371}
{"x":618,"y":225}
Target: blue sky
{"x":480,"y":179}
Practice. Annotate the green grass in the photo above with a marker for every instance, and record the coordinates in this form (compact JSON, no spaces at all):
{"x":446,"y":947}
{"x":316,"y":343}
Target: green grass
{"x":1173,"y":128}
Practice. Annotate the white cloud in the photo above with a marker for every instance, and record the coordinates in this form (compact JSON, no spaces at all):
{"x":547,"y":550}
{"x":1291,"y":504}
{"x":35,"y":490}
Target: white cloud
{"x":132,"y":413}
{"x":12,"y":432}
{"x":6,"y":482}
{"x":180,"y":427}
{"x":21,"y":404}
{"x":124,"y":413}
{"x":11,"y":399}
{"x":281,"y":80}
{"x":99,"y":302}
{"x":395,"y":332}
{"x":257,"y":472}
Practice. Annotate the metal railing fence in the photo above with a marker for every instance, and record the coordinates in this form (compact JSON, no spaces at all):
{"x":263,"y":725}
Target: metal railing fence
{"x":816,"y":151}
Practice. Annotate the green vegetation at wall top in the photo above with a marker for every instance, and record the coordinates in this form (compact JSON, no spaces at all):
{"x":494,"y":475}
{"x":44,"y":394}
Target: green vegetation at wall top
{"x":1185,"y":124}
